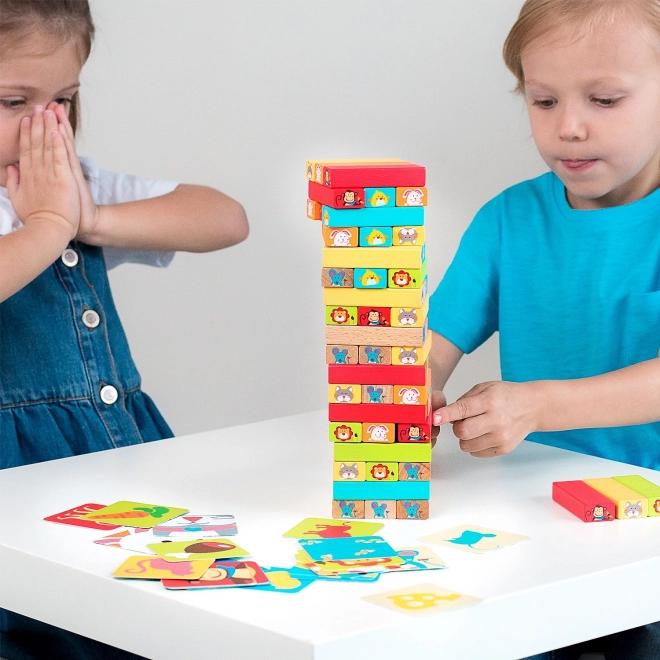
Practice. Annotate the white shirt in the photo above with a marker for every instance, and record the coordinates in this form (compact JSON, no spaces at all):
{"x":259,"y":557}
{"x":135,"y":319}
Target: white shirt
{"x":107,"y":188}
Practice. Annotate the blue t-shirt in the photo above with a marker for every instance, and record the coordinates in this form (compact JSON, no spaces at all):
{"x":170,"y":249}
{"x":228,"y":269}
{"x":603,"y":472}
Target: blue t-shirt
{"x":572,"y":294}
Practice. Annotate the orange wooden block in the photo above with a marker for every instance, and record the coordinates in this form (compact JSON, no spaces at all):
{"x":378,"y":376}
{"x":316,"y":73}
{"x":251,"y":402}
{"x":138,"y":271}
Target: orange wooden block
{"x":313,"y":210}
{"x":340,"y":237}
{"x":379,"y":433}
{"x":410,"y":196}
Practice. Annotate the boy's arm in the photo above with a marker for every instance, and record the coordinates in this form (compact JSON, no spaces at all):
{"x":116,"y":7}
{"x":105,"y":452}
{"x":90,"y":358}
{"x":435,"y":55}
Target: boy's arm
{"x":190,"y":218}
{"x":493,"y":418}
{"x":443,"y":358}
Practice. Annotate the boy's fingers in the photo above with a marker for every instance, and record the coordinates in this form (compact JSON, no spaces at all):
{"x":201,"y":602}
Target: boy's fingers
{"x":470,"y":406}
{"x":479,"y":445}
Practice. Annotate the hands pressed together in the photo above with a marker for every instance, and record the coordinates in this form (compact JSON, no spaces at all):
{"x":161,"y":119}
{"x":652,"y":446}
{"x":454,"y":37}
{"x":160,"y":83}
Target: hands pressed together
{"x":48,"y":185}
{"x":491,"y":419}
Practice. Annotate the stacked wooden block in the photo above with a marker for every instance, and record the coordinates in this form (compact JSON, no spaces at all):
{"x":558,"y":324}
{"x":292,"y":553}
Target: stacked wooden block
{"x":377,"y":340}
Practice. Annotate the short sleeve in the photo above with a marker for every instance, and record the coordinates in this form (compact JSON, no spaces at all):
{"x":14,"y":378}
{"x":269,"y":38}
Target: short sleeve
{"x":464,"y":307}
{"x":115,"y":188}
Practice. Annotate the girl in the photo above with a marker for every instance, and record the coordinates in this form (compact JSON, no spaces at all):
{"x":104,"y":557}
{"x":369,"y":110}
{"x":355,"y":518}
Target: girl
{"x":68,"y":384}
{"x":565,"y":266}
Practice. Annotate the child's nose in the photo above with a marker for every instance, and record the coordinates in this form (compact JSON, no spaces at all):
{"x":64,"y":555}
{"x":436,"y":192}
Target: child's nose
{"x":572,"y":126}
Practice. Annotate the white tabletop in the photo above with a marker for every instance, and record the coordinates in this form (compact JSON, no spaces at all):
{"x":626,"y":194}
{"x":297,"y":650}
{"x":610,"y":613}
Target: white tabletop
{"x":571,"y":581}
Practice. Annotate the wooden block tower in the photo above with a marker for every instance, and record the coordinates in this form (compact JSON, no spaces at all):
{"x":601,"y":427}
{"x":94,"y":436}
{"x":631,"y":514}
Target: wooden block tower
{"x":377,"y":342}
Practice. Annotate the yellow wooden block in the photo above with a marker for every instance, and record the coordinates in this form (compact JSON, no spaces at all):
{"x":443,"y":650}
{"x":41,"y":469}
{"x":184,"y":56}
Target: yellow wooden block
{"x":345,"y":393}
{"x":407,"y":298}
{"x":629,"y":504}
{"x":349,"y":471}
{"x":404,"y":317}
{"x":362,"y":335}
{"x":400,"y":256}
{"x":407,"y":235}
{"x":402,"y":355}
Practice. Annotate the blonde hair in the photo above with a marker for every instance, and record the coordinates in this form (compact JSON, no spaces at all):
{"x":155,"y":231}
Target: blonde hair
{"x":537,"y":17}
{"x":60,"y":19}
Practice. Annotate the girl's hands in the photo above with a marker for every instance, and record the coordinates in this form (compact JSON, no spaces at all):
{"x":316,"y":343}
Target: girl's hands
{"x":43,"y":188}
{"x":89,"y":213}
{"x":493,"y":418}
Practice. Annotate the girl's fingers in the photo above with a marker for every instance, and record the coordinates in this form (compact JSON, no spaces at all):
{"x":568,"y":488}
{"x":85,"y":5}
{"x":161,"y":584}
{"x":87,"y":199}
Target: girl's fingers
{"x":50,"y":127}
{"x":60,"y":155}
{"x":25,"y":150}
{"x":37,"y":136}
{"x":63,"y":118}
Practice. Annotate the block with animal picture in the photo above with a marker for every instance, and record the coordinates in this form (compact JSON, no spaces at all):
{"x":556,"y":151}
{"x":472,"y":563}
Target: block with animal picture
{"x":380,"y":509}
{"x":348,"y":509}
{"x":337,"y":277}
{"x":341,"y":354}
{"x":345,"y":432}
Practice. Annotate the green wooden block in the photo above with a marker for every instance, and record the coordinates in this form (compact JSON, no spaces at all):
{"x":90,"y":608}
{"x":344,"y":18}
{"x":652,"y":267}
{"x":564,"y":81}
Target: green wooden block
{"x":645,"y":488}
{"x":382,"y":472}
{"x":396,"y":452}
{"x":345,"y":432}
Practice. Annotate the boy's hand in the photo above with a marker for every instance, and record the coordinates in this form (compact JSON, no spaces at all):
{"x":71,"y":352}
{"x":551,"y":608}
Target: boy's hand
{"x":43,"y":188}
{"x":89,"y":213}
{"x":438,"y":400}
{"x":492,"y":418}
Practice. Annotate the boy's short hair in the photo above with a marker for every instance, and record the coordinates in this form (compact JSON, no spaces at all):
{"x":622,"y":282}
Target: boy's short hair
{"x":537,"y":17}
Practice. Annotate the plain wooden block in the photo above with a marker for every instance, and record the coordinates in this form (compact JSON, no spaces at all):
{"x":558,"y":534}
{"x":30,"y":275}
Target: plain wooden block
{"x":373,"y":355}
{"x":337,"y":198}
{"x":629,"y":504}
{"x":408,"y":235}
{"x":377,"y":394}
{"x":313,"y":210}
{"x":360,"y":336}
{"x":644,"y":487}
{"x":348,"y":509}
{"x":411,"y":196}
{"x":346,"y":394}
{"x":340,"y":316}
{"x":349,"y":471}
{"x":378,"y":471}
{"x":380,"y":197}
{"x":345,"y":432}
{"x":380,"y":509}
{"x":382,"y":433}
{"x":373,"y":317}
{"x":414,"y":471}
{"x":344,"y":237}
{"x":382,"y":413}
{"x":379,"y":373}
{"x":337,"y":277}
{"x":400,"y":256}
{"x":583,"y":501}
{"x":378,"y":297}
{"x":375,"y":237}
{"x":341,"y":354}
{"x":394,"y":453}
{"x":412,"y":509}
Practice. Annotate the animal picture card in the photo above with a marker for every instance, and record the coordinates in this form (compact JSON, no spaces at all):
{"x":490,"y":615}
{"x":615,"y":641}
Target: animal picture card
{"x":287,"y":580}
{"x":223,"y":574}
{"x":200,"y":526}
{"x":360,"y":547}
{"x":197,"y":549}
{"x":329,"y":528}
{"x":422,"y":599}
{"x":76,"y":517}
{"x":473,"y":538}
{"x":135,"y":514}
{"x":139,"y":541}
{"x":114,"y":540}
{"x":344,"y":567}
{"x":419,"y":558}
{"x":155,"y":568}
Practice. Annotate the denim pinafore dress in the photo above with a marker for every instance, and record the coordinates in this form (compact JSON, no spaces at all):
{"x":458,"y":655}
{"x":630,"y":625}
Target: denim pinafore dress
{"x":68,"y":384}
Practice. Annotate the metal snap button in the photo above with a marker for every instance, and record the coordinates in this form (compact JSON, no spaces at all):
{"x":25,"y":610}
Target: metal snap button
{"x":70,"y":257}
{"x":109,"y":394}
{"x":90,"y":318}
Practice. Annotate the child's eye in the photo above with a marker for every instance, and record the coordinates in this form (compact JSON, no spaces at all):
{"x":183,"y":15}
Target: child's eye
{"x":63,"y":101}
{"x":12,"y":103}
{"x":544,"y":103}
{"x":606,"y":103}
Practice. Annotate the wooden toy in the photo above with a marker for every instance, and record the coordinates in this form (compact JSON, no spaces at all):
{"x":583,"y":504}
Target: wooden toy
{"x":348,"y":509}
{"x":344,"y":237}
{"x":369,"y":217}
{"x":378,"y":414}
{"x":408,"y":235}
{"x":345,"y":432}
{"x":341,"y":354}
{"x":628,"y":504}
{"x":412,"y":395}
{"x":337,"y":277}
{"x":407,"y":355}
{"x":397,"y":490}
{"x":412,"y":509}
{"x":373,"y":173}
{"x":340,"y":316}
{"x":365,"y":373}
{"x":413,"y":432}
{"x":377,"y":394}
{"x":392,"y":453}
{"x":382,"y":297}
{"x":409,"y":196}
{"x":381,"y":433}
{"x":374,"y":316}
{"x":375,"y":355}
{"x":337,"y":198}
{"x":410,"y":471}
{"x":344,"y":394}
{"x":400,"y":256}
{"x":379,"y":471}
{"x":313,"y":210}
{"x":380,"y":508}
{"x":360,"y":335}
{"x":402,"y":317}
{"x":583,"y":501}
{"x":370,"y":278}
{"x":405,"y":278}
{"x":349,"y":471}
{"x":644,"y":487}
{"x":380,"y":197}
{"x":380,"y":237}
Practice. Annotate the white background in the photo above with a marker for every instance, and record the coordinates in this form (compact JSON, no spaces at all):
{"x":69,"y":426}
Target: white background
{"x":237,"y":95}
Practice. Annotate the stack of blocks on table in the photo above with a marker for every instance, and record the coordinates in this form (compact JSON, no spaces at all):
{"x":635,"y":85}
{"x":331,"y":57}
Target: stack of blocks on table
{"x":375,"y":287}
{"x":608,"y":498}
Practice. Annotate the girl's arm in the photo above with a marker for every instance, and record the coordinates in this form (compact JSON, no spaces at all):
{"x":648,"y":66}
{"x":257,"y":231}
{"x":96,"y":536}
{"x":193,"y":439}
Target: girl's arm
{"x":493,"y":418}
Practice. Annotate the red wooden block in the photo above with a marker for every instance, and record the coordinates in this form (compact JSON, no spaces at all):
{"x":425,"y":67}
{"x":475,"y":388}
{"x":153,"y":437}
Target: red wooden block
{"x":374,"y":316}
{"x":383,"y":412}
{"x":364,"y":374}
{"x":337,"y":198}
{"x":413,"y":432}
{"x":367,"y":176}
{"x":583,"y":501}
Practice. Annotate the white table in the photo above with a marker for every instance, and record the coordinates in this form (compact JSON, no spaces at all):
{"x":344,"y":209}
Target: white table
{"x":572,"y":581}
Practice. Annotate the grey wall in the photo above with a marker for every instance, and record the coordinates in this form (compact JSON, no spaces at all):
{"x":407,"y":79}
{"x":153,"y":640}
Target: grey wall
{"x":237,"y":95}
